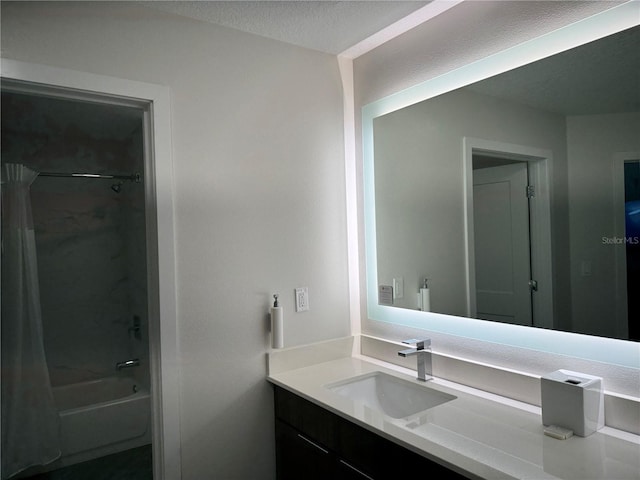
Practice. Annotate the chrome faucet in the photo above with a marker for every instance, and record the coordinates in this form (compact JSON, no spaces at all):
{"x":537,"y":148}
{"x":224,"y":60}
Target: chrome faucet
{"x":128,"y":364}
{"x":423,"y":351}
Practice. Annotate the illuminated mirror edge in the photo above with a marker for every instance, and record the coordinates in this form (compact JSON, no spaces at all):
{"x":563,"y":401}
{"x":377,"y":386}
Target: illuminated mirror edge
{"x":600,"y":349}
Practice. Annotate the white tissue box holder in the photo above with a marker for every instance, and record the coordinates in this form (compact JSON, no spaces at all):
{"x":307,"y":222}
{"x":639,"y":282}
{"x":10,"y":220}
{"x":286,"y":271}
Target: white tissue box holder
{"x":572,"y":400}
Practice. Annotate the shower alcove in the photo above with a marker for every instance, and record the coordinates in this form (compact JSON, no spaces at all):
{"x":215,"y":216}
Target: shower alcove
{"x":90,"y":246}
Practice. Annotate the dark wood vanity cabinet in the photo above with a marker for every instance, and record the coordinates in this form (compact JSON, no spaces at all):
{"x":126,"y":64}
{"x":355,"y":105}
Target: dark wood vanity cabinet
{"x":297,"y":456}
{"x":313,"y":443}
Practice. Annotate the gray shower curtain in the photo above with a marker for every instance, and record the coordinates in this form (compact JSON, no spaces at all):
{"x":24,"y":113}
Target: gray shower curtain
{"x":30,"y":423}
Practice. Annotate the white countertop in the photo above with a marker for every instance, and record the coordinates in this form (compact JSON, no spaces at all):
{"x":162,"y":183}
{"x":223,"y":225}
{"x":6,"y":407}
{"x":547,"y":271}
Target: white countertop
{"x":481,"y":434}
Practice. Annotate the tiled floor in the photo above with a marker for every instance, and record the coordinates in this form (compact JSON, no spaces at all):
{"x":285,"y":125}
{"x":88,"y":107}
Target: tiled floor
{"x":134,"y":464}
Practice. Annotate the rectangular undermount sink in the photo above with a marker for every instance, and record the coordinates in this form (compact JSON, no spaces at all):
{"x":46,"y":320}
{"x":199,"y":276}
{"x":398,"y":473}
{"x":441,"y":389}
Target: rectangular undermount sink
{"x":391,"y":395}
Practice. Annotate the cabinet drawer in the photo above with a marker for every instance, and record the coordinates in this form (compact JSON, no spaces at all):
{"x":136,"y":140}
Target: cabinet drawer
{"x":315,"y":422}
{"x":300,"y":457}
{"x":384,"y":457}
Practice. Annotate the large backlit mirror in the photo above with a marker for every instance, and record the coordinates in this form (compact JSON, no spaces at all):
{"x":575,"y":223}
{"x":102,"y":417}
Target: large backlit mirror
{"x":516,"y":195}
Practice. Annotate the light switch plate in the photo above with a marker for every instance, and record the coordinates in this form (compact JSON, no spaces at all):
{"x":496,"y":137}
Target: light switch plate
{"x":398,"y":287}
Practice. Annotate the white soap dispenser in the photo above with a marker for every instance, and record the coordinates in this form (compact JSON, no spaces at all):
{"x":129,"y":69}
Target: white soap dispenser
{"x":425,"y":299}
{"x":277,"y":324}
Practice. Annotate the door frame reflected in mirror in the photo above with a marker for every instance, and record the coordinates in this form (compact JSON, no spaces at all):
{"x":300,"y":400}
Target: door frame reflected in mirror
{"x":538,"y":161}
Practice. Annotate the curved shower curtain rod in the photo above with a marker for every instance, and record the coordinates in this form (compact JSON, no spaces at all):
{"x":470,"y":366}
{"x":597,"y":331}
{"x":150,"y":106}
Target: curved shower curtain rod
{"x":136,"y":177}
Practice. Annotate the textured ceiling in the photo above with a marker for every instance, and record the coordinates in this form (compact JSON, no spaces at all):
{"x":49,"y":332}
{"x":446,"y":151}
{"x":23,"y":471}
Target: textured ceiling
{"x":565,"y":83}
{"x":327,"y":26}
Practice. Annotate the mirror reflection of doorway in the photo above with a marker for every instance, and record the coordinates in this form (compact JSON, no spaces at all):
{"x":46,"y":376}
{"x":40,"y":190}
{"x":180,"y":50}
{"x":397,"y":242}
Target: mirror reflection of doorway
{"x":502,"y":240}
{"x":632,"y":244}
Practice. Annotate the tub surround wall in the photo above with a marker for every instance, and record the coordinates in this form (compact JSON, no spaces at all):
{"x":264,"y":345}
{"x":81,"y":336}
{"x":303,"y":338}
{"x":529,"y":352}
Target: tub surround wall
{"x":136,"y":248}
{"x":92,"y":270}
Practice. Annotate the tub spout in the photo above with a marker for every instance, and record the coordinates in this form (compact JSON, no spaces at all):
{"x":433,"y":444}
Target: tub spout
{"x":128,"y":364}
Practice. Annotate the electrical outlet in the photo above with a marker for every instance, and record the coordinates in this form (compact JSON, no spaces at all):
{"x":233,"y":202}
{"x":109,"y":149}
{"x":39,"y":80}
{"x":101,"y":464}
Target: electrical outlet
{"x":302,"y":299}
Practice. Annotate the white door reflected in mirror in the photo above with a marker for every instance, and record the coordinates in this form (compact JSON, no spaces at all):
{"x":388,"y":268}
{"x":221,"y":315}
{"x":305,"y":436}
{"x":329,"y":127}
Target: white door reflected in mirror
{"x":501,"y":240}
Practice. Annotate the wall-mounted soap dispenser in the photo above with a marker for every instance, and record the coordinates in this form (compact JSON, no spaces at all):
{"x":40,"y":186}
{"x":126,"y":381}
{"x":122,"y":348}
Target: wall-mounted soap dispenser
{"x":424,"y":298}
{"x":277,"y":324}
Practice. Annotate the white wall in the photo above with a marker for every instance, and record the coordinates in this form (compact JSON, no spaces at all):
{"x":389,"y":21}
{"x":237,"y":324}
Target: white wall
{"x":259,"y":200}
{"x":592,"y":143}
{"x":419,"y":174}
{"x":470,"y":31}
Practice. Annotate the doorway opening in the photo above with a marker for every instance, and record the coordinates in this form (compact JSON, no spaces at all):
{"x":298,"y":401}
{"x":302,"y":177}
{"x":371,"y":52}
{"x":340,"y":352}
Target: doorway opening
{"x":84,"y":296}
{"x":632,"y":243}
{"x":504,"y":173}
{"x":626,"y":241}
{"x":155,"y":183}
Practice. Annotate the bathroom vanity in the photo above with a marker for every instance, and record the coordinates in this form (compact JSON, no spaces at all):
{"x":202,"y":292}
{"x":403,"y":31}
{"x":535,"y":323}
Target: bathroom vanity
{"x":324,"y":445}
{"x":324,"y":433}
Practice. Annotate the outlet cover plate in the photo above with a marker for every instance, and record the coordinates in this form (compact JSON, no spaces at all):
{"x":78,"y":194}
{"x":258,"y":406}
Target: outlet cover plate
{"x":302,"y":299}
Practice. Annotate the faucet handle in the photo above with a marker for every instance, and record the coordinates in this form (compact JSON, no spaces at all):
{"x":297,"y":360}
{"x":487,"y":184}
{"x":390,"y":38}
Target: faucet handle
{"x":419,"y":343}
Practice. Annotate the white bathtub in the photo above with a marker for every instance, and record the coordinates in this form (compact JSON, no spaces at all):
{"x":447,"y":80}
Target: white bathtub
{"x":102,"y":416}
